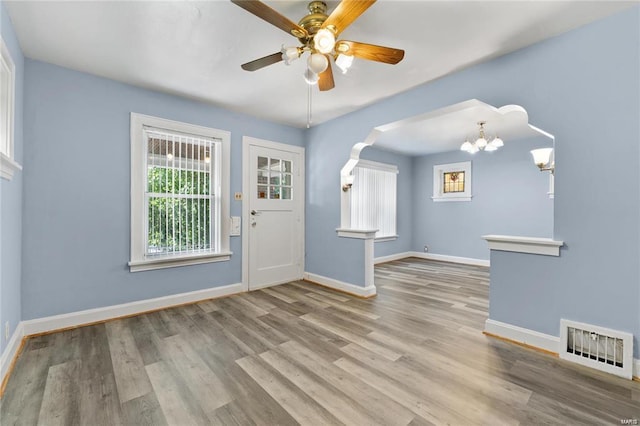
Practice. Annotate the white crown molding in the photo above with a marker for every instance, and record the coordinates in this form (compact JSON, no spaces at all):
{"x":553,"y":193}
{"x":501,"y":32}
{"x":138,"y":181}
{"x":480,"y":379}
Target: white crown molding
{"x":353,"y":289}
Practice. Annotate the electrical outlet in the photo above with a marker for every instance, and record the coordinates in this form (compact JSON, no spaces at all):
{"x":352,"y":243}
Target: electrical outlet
{"x":238,"y":196}
{"x":7,"y":329}
{"x":426,"y":249}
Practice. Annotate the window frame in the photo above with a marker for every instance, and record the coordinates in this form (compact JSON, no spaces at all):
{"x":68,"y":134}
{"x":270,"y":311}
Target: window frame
{"x":383,"y":167}
{"x":438,"y":182}
{"x":8,"y":165}
{"x":138,"y":258}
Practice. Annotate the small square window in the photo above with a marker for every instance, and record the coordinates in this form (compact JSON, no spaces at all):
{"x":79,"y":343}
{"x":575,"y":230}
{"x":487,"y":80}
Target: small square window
{"x":452,"y":182}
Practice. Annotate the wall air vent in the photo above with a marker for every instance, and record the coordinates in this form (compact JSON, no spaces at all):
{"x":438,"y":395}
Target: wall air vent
{"x":601,"y":348}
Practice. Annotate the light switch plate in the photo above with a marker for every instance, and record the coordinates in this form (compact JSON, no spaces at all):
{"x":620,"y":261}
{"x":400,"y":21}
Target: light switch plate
{"x":236,"y":225}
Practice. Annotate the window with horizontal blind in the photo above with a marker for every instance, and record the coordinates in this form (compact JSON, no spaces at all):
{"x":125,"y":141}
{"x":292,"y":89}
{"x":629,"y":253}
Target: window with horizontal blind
{"x":179,"y":194}
{"x":373,"y":198}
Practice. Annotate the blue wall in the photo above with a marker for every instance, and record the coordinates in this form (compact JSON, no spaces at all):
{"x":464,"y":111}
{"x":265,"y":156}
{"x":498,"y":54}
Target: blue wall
{"x":76,"y":193}
{"x":583,"y":87}
{"x":11,"y":198}
{"x":594,"y":110}
{"x":509,"y":198}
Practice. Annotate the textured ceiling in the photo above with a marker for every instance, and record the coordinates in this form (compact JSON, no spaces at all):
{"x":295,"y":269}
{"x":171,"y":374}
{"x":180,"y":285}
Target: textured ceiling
{"x":194,"y":49}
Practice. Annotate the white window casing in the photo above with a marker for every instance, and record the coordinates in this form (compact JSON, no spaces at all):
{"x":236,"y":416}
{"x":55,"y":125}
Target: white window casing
{"x":374,"y":198}
{"x":8,"y":165}
{"x":438,"y":181}
{"x":192,"y":217}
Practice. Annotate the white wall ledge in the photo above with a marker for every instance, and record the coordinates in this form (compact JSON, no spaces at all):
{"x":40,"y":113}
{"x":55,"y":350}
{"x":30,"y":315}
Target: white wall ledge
{"x":532,"y":245}
{"x":363,"y":234}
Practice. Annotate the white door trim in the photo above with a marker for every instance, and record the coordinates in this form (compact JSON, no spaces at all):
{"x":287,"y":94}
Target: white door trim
{"x":246,"y":141}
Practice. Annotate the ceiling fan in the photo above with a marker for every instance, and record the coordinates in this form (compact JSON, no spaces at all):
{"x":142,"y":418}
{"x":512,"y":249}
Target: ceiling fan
{"x":318,"y":33}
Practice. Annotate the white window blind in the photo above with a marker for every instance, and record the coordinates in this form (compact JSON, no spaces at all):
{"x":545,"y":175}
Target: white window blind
{"x":373,"y":198}
{"x":182,"y":196}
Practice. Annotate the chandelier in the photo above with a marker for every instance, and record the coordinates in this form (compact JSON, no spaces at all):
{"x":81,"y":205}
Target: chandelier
{"x":481,"y":144}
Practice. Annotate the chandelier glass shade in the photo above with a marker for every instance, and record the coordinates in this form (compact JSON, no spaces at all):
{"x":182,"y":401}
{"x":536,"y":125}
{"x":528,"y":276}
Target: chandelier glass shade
{"x":482,"y":144}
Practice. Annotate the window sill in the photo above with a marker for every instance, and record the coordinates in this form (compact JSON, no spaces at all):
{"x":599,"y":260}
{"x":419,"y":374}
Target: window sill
{"x":174,"y":261}
{"x":8,"y":167}
{"x":386,"y":238}
{"x":441,"y":199}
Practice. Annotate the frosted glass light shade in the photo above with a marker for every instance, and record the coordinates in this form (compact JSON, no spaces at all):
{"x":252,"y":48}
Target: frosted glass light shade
{"x":324,"y":41}
{"x":541,"y":156}
{"x":466,"y":146}
{"x":290,"y":54}
{"x":473,"y":149}
{"x":317,"y":63}
{"x":344,"y":62}
{"x":310,"y":77}
{"x":481,"y":143}
{"x":490,"y":147}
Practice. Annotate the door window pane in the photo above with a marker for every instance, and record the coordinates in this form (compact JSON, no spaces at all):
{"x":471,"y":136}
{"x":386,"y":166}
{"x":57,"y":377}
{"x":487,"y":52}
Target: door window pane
{"x":286,"y":193}
{"x":274,"y":179}
{"x":263,"y":163}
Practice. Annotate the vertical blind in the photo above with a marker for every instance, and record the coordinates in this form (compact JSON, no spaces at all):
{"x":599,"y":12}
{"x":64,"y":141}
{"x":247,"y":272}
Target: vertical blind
{"x":181,"y":199}
{"x":373,"y":199}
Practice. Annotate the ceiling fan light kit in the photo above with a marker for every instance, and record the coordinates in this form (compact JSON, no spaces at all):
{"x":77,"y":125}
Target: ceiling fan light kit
{"x":344,"y":62}
{"x":482,"y":144}
{"x":317,"y":63}
{"x":324,"y":40}
{"x":318,"y":32}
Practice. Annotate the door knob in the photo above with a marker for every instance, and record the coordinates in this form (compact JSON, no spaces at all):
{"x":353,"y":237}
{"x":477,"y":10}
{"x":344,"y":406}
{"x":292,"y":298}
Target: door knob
{"x":254,"y":213}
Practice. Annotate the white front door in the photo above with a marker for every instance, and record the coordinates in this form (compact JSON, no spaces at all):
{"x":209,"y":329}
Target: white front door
{"x":275,"y":213}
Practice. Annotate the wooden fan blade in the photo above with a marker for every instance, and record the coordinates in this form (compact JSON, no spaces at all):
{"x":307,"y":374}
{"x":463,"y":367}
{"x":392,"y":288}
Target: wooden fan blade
{"x":262,"y":62}
{"x":263,"y":11}
{"x":326,"y":79}
{"x":346,"y":12}
{"x":371,"y":52}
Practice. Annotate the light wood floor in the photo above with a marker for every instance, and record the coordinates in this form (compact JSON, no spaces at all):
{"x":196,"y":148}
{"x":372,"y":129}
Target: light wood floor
{"x":298,"y":353}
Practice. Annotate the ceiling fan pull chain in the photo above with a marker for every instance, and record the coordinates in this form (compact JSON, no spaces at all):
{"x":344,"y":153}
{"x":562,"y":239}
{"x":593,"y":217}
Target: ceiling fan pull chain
{"x":309,"y":106}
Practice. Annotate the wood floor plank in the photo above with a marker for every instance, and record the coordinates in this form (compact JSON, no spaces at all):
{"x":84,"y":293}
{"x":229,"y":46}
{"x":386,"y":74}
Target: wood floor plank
{"x":176,"y":405}
{"x":99,"y":402}
{"x":60,"y":405}
{"x":433,"y":412}
{"x":299,"y":353}
{"x":24,"y":392}
{"x":324,"y":394}
{"x":131,"y":378}
{"x":143,"y":411}
{"x":300,"y":406}
{"x":352,"y":337}
{"x":384,"y":410}
{"x":207,"y":389}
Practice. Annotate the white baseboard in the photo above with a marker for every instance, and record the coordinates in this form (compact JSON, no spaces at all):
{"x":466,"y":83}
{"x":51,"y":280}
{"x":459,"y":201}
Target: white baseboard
{"x":433,"y":256}
{"x":523,"y":335}
{"x":341,"y":285}
{"x":74,"y":319}
{"x":11,"y":351}
{"x":392,"y":257}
